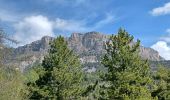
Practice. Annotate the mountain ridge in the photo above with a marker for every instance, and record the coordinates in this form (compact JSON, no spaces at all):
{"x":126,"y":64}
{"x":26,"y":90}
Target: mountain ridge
{"x":88,"y":46}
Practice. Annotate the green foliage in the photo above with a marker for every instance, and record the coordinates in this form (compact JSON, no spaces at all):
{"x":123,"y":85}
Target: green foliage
{"x":91,"y":83}
{"x":128,"y":76}
{"x":31,"y":75}
{"x":11,"y":85}
{"x":162,"y":79}
{"x":61,"y":75}
{"x":125,"y":76}
{"x":11,"y":80}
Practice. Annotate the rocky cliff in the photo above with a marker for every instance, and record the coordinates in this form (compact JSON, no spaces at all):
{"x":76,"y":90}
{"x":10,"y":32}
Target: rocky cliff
{"x":89,"y":46}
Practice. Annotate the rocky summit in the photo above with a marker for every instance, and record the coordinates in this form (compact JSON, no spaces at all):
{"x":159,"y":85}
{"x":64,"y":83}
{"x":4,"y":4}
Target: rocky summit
{"x":89,"y":46}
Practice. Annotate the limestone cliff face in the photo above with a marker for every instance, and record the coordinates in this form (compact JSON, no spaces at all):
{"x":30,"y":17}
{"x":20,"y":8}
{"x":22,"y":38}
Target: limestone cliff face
{"x":36,"y":46}
{"x":75,"y":42}
{"x":89,"y":46}
{"x":91,"y":41}
{"x":150,"y":54}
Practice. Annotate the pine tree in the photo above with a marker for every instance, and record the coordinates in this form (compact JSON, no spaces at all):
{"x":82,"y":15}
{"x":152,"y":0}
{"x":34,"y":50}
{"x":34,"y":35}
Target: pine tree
{"x":162,"y":80}
{"x":61,"y":75}
{"x":128,"y":76}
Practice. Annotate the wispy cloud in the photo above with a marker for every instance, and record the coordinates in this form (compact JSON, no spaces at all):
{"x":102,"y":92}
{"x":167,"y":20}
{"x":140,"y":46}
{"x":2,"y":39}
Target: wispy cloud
{"x":8,"y":16}
{"x":67,"y":25}
{"x":167,"y":36}
{"x":70,"y":25}
{"x":161,"y":10}
{"x":110,"y":18}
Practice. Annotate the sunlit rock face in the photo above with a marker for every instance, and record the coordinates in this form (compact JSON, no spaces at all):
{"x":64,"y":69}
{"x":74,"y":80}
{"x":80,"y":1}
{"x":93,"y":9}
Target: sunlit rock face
{"x":150,"y":54}
{"x":88,"y":46}
{"x":91,"y":41}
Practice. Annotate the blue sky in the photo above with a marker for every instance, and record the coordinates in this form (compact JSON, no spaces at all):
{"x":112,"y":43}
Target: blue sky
{"x":147,"y":20}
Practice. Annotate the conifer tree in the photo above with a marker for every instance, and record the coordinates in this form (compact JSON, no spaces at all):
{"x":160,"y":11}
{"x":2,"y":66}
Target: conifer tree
{"x":128,"y":76}
{"x":61,"y":75}
{"x":162,"y":79}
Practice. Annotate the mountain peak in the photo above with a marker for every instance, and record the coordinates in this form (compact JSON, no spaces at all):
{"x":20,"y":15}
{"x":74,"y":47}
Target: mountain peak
{"x":81,"y":43}
{"x":89,"y":46}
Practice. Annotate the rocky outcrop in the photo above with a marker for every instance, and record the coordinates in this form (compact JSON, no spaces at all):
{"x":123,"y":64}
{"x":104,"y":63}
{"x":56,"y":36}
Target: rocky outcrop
{"x":91,"y":41}
{"x":36,"y":46}
{"x":89,"y":46}
{"x":150,"y":54}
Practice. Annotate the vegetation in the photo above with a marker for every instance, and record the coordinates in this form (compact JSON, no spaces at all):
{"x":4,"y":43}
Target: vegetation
{"x":128,"y":76}
{"x":11,"y":80}
{"x":11,"y":85}
{"x":123,"y":75}
{"x":162,"y":80}
{"x":61,"y":76}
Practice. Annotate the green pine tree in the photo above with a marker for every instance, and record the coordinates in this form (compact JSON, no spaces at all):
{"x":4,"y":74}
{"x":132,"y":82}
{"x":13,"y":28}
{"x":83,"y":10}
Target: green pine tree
{"x":162,"y":80}
{"x":128,"y":76}
{"x":61,"y":75}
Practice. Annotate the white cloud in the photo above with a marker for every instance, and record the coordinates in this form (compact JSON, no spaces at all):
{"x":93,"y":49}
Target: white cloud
{"x":70,"y":25}
{"x":161,"y":10}
{"x":32,"y":28}
{"x":163,"y":48}
{"x":35,"y":27}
